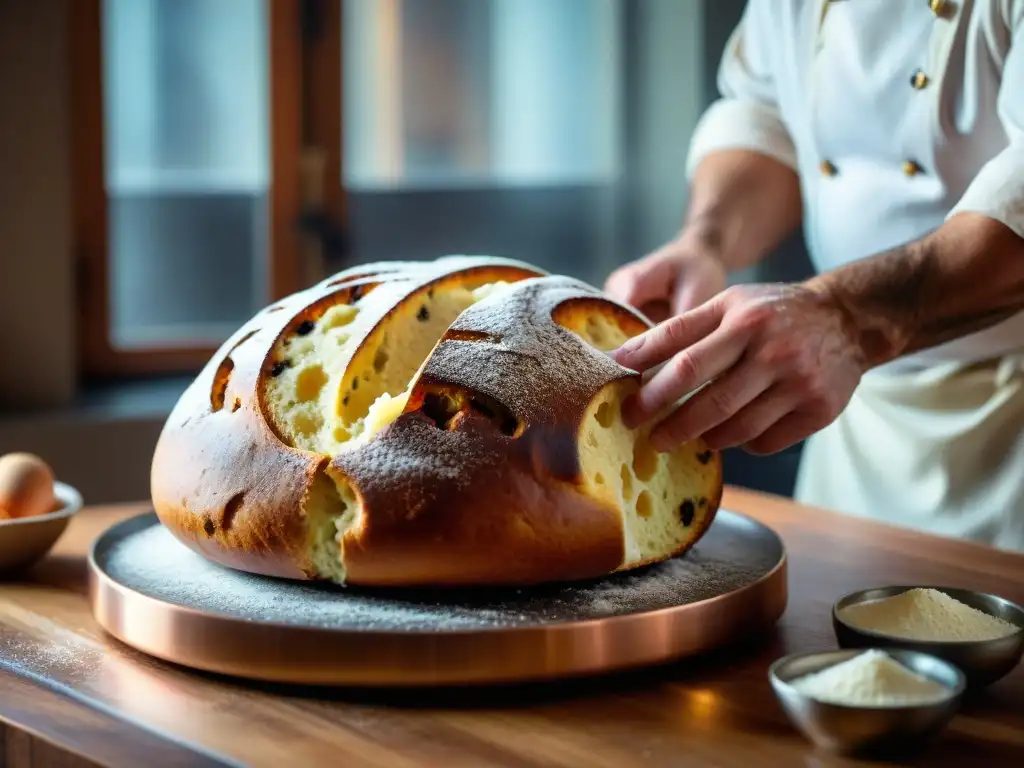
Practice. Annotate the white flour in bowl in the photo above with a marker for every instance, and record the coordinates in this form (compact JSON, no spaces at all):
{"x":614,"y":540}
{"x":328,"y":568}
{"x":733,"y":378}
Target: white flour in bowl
{"x":925,"y":614}
{"x":872,"y":678}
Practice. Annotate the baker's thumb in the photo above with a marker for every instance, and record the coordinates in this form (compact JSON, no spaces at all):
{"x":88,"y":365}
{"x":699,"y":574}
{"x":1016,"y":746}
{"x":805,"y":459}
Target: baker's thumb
{"x":646,"y":280}
{"x":703,"y":281}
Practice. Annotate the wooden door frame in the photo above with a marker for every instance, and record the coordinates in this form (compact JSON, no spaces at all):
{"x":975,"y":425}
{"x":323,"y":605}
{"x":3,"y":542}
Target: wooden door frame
{"x":305,"y":102}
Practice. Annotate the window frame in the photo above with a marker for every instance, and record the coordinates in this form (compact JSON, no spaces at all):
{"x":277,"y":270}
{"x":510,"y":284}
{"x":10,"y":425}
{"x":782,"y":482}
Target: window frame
{"x":305,"y":123}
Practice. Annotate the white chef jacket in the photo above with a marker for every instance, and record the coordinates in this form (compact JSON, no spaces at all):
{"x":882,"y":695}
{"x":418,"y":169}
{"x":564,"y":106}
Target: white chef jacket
{"x":895,"y":113}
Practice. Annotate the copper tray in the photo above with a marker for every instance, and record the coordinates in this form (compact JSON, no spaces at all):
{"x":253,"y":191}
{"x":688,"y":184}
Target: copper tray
{"x":152,"y":593}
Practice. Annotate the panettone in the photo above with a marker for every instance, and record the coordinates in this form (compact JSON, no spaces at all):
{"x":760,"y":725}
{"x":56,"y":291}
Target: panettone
{"x":446,"y":423}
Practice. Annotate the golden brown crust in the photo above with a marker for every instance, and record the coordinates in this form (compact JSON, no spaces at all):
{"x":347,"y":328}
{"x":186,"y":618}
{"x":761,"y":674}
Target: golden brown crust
{"x":484,"y":518}
{"x":222,"y":480}
{"x":477,"y":482}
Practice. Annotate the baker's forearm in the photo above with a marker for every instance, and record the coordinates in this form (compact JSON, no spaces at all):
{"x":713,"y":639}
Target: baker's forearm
{"x":964,"y":277}
{"x":742,"y":205}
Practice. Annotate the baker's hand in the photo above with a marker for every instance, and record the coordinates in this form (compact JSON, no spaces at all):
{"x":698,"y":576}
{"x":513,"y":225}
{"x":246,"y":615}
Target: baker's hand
{"x":677,"y":277}
{"x":781,"y":359}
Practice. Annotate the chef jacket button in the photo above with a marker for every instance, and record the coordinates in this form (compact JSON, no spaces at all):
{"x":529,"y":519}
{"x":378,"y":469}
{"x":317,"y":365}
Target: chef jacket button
{"x":828,"y":168}
{"x":939,"y":7}
{"x":911,"y":168}
{"x":919,"y":80}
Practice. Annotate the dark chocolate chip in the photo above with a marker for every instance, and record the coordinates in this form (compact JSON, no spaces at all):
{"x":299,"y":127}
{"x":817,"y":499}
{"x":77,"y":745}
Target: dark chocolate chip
{"x":424,"y":314}
{"x":704,"y":458}
{"x":344,"y":400}
{"x":702,"y":501}
{"x":278,"y":368}
{"x":305,"y":327}
{"x":686,"y":512}
{"x":209,"y":527}
{"x":355,"y":384}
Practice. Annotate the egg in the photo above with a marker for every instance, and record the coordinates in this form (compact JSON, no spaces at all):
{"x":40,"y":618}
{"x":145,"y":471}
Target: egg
{"x":26,"y":486}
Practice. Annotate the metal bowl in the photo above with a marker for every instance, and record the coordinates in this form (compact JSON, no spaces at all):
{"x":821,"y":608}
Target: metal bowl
{"x":982,"y":661}
{"x":25,"y":540}
{"x":861,"y":729}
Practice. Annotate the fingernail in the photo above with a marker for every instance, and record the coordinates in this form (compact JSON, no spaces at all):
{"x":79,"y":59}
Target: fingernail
{"x":628,"y":348}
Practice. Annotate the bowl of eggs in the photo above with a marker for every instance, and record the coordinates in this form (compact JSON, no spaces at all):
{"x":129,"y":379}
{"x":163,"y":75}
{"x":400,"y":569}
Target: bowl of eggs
{"x":34,"y":510}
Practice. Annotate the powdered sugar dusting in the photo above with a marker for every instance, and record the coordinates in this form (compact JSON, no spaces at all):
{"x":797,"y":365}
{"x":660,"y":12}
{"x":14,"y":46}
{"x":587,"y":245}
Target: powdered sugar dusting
{"x":542,"y":372}
{"x":733,"y":554}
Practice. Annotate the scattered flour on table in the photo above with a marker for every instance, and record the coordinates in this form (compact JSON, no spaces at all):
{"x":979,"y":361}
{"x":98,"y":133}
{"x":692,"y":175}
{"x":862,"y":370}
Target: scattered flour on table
{"x":153,"y":562}
{"x":39,"y":655}
{"x":51,"y":651}
{"x":926,"y":614}
{"x":872,"y":678}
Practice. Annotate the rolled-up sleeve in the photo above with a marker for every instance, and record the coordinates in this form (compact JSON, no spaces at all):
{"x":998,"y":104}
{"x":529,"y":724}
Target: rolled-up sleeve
{"x":747,"y":114}
{"x":998,"y":189}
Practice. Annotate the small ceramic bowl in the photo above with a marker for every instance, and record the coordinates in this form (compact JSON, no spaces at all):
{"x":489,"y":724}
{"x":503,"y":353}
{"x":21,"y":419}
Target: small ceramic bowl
{"x":982,"y":661}
{"x":24,"y":540}
{"x":851,"y":729}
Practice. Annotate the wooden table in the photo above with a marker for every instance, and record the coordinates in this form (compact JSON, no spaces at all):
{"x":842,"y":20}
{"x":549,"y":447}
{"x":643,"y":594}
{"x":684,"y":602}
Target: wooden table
{"x":71,"y":696}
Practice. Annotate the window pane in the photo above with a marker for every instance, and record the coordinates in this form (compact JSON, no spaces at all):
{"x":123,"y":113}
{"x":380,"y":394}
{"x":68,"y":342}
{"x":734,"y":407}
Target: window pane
{"x":186,"y":121}
{"x":470,"y":92}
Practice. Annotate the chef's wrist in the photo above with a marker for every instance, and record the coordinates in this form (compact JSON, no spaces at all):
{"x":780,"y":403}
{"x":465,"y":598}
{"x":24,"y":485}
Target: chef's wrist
{"x":962,"y":278}
{"x":873,"y":339}
{"x":707,"y":239}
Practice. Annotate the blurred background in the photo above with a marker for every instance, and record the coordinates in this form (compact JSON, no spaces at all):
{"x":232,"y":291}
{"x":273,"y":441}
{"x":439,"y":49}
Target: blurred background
{"x":168,"y":167}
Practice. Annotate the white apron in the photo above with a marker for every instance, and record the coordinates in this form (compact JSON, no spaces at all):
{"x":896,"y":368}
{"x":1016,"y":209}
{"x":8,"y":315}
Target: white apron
{"x":897,"y":114}
{"x":939,"y":450}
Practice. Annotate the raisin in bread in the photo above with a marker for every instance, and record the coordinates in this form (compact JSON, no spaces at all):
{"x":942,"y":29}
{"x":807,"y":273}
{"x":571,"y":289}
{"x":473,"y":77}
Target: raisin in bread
{"x":446,"y":423}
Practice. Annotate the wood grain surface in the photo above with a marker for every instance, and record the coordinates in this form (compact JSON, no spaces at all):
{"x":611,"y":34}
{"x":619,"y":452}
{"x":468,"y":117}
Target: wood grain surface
{"x":71,"y":696}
